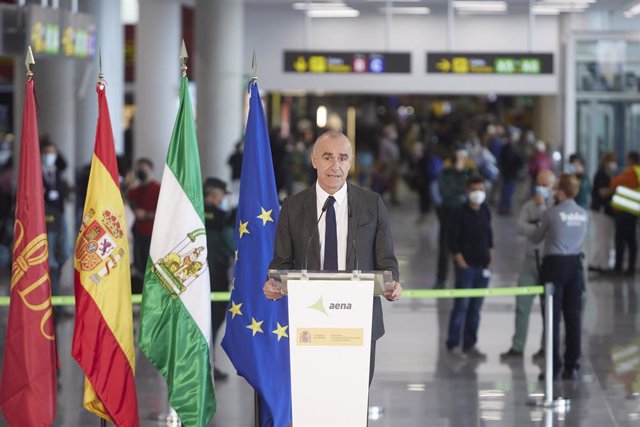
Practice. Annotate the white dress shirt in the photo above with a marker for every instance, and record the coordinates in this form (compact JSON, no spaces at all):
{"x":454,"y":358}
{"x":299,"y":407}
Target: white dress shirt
{"x":341,"y":206}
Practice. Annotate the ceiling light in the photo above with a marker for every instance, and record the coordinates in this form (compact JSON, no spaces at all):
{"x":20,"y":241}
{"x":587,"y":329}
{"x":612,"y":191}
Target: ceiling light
{"x":480,"y":6}
{"x":552,"y":9}
{"x":318,"y":6}
{"x":565,"y":2}
{"x":333,"y":13}
{"x":406,"y":10}
{"x":633,"y":11}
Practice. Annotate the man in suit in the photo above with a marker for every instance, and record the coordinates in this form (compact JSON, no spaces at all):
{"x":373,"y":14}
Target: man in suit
{"x":354,"y":226}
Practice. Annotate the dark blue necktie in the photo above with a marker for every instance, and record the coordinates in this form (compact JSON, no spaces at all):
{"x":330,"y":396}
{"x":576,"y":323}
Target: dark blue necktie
{"x":330,"y":238}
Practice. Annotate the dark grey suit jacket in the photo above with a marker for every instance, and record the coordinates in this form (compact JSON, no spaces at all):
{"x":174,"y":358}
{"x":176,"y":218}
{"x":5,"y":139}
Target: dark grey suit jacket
{"x":368,"y":227}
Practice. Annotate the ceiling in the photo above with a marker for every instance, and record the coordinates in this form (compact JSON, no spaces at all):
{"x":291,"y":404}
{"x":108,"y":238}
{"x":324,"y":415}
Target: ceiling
{"x":440,"y":5}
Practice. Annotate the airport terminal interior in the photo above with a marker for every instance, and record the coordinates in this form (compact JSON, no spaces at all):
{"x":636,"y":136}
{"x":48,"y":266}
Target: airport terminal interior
{"x":432,"y":94}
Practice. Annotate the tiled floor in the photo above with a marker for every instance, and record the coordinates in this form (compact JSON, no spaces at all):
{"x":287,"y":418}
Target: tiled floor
{"x":416,"y":382}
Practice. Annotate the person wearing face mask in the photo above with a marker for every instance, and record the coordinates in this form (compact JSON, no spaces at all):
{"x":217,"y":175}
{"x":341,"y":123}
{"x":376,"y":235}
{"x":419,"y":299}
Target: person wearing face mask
{"x":56,"y":192}
{"x":576,"y":167}
{"x":602,"y":214}
{"x":451,"y":185}
{"x":626,"y":230}
{"x":563,"y":228}
{"x":143,"y":198}
{"x":471,"y":242}
{"x":219,"y":223}
{"x":539,"y":162}
{"x":528,"y":221}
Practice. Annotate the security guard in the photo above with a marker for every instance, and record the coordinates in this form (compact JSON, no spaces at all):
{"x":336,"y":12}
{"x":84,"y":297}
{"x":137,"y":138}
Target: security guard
{"x":563,"y":228}
{"x":219,"y":222}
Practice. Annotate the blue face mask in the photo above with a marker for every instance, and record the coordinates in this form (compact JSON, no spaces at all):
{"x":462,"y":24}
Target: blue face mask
{"x":545,"y":192}
{"x":570,"y":169}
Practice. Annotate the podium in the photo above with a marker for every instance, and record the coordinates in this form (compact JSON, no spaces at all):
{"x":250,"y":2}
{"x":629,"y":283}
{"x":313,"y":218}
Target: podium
{"x":330,"y":319}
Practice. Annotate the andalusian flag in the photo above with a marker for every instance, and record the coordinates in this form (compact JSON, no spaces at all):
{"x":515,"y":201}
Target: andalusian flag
{"x":175,"y":325}
{"x":103,"y":334}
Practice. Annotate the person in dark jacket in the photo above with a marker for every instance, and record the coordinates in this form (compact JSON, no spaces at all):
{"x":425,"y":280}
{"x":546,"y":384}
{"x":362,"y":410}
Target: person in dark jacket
{"x":471,"y":240}
{"x":451,"y":185}
{"x":220,"y":250}
{"x":602,"y":213}
{"x":56,"y":192}
{"x":510,"y":164}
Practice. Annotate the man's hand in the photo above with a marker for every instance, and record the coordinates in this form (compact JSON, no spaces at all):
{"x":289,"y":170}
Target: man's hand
{"x":460,"y":261}
{"x":273,"y":289}
{"x":392,"y":291}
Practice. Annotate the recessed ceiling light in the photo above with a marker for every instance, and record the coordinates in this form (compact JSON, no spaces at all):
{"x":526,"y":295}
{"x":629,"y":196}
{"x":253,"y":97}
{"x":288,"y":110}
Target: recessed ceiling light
{"x":396,"y":10}
{"x":480,"y":6}
{"x":333,"y":13}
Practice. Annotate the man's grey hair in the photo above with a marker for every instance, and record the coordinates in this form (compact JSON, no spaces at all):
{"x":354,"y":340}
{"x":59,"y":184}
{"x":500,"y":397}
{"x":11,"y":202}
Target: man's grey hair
{"x":333,"y":134}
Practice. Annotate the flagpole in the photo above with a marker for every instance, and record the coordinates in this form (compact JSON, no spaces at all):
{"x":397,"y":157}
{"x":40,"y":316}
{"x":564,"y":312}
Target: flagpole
{"x":29,"y":61}
{"x":256,"y":397}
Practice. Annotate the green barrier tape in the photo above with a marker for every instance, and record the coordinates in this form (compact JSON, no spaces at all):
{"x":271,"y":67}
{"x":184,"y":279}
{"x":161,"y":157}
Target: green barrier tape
{"x":471,"y":293}
{"x":61,"y":300}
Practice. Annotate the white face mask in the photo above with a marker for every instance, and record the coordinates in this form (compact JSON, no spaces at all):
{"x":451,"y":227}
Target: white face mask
{"x":477,"y":197}
{"x":225,"y":205}
{"x":540,"y":146}
{"x":49,"y":159}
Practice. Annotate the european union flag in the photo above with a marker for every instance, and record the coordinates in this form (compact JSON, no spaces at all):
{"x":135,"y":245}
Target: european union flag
{"x":257,"y":335}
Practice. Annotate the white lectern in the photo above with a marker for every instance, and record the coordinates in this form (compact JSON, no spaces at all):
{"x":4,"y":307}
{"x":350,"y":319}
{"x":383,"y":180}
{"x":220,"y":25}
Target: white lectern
{"x":330,"y":318}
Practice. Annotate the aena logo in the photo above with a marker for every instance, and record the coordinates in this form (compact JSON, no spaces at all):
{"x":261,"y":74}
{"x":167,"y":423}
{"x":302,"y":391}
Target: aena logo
{"x":319,"y":306}
{"x":339,"y":306}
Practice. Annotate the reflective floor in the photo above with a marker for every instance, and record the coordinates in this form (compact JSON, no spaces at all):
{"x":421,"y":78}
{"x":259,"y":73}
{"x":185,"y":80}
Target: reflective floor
{"x":417,"y":383}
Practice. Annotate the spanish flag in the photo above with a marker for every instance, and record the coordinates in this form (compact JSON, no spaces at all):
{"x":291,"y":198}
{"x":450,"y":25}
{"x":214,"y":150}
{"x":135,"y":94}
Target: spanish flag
{"x":103,"y":333}
{"x":28,"y":386}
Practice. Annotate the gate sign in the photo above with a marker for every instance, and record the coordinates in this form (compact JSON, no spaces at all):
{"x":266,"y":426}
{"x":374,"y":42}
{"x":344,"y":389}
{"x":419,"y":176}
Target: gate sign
{"x":490,"y":63}
{"x":320,"y":62}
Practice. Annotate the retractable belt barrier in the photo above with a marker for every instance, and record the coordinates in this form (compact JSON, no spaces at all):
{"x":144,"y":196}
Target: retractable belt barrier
{"x":69,"y":300}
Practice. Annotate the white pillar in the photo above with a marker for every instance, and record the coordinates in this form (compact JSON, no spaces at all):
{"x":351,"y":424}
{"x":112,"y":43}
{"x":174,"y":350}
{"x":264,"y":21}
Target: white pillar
{"x":56,"y":89}
{"x":219,"y":72}
{"x":158,"y":40}
{"x":109,"y":40}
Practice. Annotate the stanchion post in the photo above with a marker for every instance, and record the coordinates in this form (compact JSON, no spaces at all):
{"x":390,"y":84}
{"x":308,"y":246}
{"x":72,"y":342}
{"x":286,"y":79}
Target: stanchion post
{"x":548,"y":343}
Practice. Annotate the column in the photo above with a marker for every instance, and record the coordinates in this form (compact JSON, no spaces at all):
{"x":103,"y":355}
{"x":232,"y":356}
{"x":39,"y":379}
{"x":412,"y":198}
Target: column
{"x":56,"y":89}
{"x":109,"y":40}
{"x":220,"y":66}
{"x":158,"y":40}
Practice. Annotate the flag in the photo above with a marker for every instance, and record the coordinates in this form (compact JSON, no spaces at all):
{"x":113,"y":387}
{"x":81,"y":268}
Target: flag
{"x":28,"y":386}
{"x":103,"y":333}
{"x":256,"y":337}
{"x":175,"y":324}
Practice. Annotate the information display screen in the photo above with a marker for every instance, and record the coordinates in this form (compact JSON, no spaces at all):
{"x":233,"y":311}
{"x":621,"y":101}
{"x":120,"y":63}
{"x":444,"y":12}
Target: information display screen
{"x":297,"y":61}
{"x":489,"y":63}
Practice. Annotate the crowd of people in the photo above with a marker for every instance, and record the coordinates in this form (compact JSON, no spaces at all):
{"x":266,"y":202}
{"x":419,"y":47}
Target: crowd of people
{"x":461,"y":172}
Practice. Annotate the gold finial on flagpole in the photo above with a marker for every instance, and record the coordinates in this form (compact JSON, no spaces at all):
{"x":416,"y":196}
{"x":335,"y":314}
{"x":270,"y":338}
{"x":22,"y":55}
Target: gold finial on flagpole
{"x":183,"y":59}
{"x":100,"y":72}
{"x":254,"y":67}
{"x":28,"y":62}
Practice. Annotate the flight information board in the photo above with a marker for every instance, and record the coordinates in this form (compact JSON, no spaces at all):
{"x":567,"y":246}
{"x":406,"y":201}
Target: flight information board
{"x":324,"y":62}
{"x":463,"y":63}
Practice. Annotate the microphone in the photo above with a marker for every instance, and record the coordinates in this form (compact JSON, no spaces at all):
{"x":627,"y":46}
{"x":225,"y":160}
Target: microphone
{"x":315,"y":231}
{"x":355,"y":253}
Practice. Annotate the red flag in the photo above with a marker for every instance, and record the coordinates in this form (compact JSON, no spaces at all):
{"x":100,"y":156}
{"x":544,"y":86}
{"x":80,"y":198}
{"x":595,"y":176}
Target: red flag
{"x":28,"y":386}
{"x":103,"y":333}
